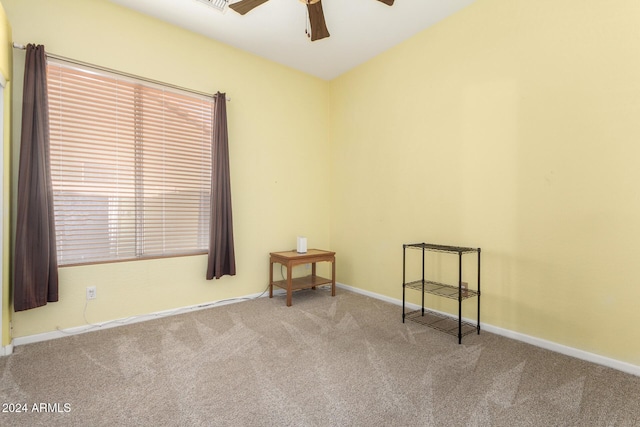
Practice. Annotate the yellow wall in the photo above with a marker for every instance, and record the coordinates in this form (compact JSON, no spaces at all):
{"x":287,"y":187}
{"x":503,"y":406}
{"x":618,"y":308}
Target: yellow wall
{"x":512,"y":126}
{"x":6,"y":71}
{"x":279,"y":155}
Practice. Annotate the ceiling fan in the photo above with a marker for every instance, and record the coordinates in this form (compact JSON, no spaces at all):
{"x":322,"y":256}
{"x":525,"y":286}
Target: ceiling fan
{"x":314,"y":8}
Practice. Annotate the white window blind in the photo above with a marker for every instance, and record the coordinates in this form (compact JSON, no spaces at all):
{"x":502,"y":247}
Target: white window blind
{"x":130,"y":166}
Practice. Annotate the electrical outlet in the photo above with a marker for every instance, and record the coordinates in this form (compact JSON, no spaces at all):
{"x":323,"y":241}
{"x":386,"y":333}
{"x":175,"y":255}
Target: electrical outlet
{"x":307,"y":266}
{"x":465,"y":289}
{"x":91,"y":292}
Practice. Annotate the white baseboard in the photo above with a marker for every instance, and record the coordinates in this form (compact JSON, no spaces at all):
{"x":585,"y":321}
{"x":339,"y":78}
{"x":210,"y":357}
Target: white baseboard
{"x":538,"y":342}
{"x":6,"y":350}
{"x":46,"y":336}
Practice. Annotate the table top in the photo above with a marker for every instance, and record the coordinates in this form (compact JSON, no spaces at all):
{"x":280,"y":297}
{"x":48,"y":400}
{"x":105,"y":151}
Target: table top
{"x":292,"y":254}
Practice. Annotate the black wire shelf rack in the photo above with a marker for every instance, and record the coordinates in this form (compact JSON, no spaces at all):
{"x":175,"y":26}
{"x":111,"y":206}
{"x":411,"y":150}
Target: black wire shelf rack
{"x":460,"y":292}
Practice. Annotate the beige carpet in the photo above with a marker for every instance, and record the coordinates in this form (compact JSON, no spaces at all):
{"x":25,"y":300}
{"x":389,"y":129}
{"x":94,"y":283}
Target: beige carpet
{"x":342,"y":361}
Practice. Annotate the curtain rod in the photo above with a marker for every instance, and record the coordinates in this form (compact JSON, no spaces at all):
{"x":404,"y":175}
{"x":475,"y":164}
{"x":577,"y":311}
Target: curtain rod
{"x":109,"y":70}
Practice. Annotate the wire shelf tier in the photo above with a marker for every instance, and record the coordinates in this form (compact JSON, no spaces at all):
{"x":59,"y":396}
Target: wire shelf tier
{"x":441,"y":289}
{"x":441,"y":322}
{"x":441,"y":248}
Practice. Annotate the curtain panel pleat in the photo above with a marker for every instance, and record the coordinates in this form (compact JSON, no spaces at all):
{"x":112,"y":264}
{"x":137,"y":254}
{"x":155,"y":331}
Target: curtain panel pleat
{"x":35,"y":261}
{"x":222,"y":259}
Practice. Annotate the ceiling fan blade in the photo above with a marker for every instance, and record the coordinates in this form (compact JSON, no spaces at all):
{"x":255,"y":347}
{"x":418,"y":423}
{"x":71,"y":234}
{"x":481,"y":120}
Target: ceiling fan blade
{"x":244,"y":6}
{"x":387,"y":2}
{"x":316,"y":19}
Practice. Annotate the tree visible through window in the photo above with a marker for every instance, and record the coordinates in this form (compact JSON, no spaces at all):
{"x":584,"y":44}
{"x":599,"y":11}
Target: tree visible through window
{"x":130,"y":165}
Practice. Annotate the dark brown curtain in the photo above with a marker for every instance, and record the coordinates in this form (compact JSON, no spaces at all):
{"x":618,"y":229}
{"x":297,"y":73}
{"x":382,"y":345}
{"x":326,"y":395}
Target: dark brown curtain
{"x":222,"y":259}
{"x":36,"y":266}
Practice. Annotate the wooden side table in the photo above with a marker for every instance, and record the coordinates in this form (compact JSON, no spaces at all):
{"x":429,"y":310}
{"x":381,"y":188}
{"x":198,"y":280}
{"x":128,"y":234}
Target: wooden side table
{"x":293,"y":258}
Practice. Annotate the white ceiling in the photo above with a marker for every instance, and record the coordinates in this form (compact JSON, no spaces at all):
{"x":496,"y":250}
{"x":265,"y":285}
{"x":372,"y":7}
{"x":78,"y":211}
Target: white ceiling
{"x":360,"y":29}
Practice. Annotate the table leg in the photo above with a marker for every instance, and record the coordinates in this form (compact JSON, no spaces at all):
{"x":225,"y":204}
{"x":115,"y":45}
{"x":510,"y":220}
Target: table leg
{"x":313,"y":273}
{"x":270,"y":279}
{"x":289,"y":285}
{"x":333,"y":278}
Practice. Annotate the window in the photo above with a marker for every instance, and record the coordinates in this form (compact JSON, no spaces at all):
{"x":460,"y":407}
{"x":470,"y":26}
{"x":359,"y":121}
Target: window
{"x":130,"y":166}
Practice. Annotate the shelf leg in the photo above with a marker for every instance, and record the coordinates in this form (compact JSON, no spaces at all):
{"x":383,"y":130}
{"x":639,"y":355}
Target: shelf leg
{"x":478,"y":291}
{"x":403,"y":290}
{"x":404,"y":251}
{"x":459,"y":297}
{"x":423,"y":282}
